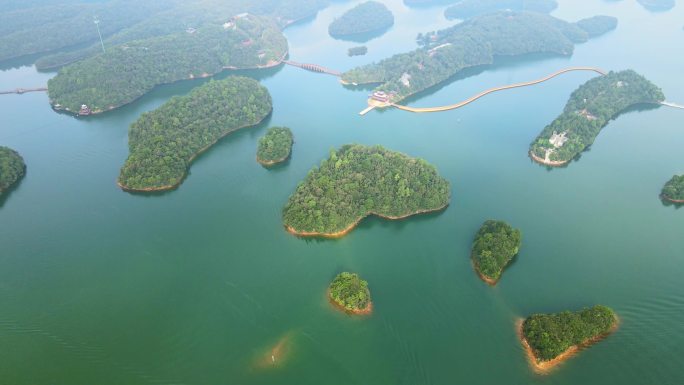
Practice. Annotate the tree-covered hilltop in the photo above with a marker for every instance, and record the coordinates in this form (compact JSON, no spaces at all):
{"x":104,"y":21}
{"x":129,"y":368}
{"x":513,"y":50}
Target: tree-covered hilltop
{"x":549,"y":335}
{"x":357,"y":181}
{"x":465,"y":9}
{"x":495,"y":245}
{"x":127,"y":72}
{"x":674,"y":189}
{"x":475,"y":42}
{"x":589,"y":109}
{"x":12,"y":168}
{"x":350,"y":292}
{"x":366,"y":17}
{"x":275,"y":146}
{"x":164,"y":142}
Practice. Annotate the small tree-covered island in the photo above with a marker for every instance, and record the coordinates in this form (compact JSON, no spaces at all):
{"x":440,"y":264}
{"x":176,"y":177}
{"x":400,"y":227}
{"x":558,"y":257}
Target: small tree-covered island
{"x":128,"y":71}
{"x":549,"y":339}
{"x":358,"y":181}
{"x":12,"y":168}
{"x":350,"y":293}
{"x":370,"y":16}
{"x":475,"y":42}
{"x":673,"y":191}
{"x":357,"y":51}
{"x":275,"y":146}
{"x":495,"y":245}
{"x":590,"y":108}
{"x":164,"y":142}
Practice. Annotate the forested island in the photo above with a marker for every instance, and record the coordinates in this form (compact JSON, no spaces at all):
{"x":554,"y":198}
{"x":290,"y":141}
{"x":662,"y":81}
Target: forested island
{"x":350,"y":293}
{"x":657,"y":5}
{"x":589,"y":109}
{"x":475,"y":42}
{"x":366,"y":17}
{"x":551,"y":338}
{"x":357,"y":181}
{"x":469,"y":8}
{"x":357,"y":51}
{"x":673,"y":190}
{"x":128,"y":71}
{"x":164,"y":142}
{"x":12,"y":168}
{"x":495,"y":245}
{"x":275,"y":146}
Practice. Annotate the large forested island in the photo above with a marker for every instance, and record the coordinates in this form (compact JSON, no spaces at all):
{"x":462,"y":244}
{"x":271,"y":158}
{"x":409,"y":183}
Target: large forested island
{"x":589,"y":109}
{"x":468,"y":8}
{"x":495,"y":245}
{"x":128,"y":71}
{"x":475,"y":42}
{"x":357,"y":181}
{"x":275,"y":146}
{"x":366,"y":17}
{"x":12,"y":168}
{"x":350,"y":293}
{"x":673,"y":190}
{"x":164,"y":142}
{"x":551,"y":338}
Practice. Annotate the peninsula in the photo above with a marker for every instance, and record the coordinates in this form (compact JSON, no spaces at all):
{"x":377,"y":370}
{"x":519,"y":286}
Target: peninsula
{"x":350,"y":293}
{"x":275,"y":146}
{"x":590,"y":108}
{"x":494,"y":247}
{"x":370,"y":16}
{"x":673,"y":190}
{"x":128,"y":71}
{"x":550,"y":339}
{"x":12,"y":168}
{"x":357,"y":181}
{"x":465,"y":9}
{"x":475,"y":42}
{"x":164,"y":142}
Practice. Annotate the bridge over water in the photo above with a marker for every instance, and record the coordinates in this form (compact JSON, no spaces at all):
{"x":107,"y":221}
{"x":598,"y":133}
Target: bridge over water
{"x":313,"y":68}
{"x":23,"y":90}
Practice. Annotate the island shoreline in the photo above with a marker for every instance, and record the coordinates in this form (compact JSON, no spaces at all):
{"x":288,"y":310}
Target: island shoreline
{"x":365,"y":311}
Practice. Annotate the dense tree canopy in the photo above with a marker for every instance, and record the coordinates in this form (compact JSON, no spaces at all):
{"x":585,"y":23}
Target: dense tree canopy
{"x":674,"y":189}
{"x":350,"y":292}
{"x":357,"y":181}
{"x":12,"y":168}
{"x":598,"y":25}
{"x":365,"y":17}
{"x":275,"y":146}
{"x":549,"y":335}
{"x":357,"y":51}
{"x":496,"y":243}
{"x":472,"y":43}
{"x":164,"y":142}
{"x":589,"y":109}
{"x":128,"y":71}
{"x":468,"y":8}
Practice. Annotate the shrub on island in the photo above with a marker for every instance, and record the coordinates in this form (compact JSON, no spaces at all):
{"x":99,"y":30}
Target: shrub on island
{"x":495,"y":246}
{"x":164,"y":142}
{"x":275,"y":146}
{"x":351,"y":293}
{"x":12,"y":168}
{"x":550,"y":337}
{"x":366,"y":17}
{"x":357,"y":181}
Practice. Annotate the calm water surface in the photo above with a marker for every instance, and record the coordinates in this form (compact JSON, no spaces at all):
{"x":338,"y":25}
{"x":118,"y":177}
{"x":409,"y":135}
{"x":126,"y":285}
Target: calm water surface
{"x":199,"y":285}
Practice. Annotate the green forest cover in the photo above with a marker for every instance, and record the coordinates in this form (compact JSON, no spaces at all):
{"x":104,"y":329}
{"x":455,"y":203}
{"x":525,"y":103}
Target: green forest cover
{"x":275,"y":146}
{"x":495,"y":245}
{"x":589,"y":109}
{"x":674,"y":189}
{"x":365,"y":17}
{"x":549,"y":335}
{"x":350,"y":292}
{"x":128,"y":71}
{"x":164,"y":142}
{"x":356,"y":181}
{"x":12,"y":168}
{"x":474,"y":42}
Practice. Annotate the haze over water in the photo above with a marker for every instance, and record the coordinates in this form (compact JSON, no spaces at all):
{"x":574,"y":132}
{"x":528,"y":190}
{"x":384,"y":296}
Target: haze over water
{"x":198,"y":285}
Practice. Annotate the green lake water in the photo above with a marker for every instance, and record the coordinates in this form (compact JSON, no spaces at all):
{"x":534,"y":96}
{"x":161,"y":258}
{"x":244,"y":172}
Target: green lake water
{"x":196,"y":286}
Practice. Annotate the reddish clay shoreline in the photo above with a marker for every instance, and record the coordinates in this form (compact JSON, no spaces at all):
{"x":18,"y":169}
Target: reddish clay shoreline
{"x":340,"y":234}
{"x":552,"y":163}
{"x":543,"y":367}
{"x":487,"y":280}
{"x":192,"y":158}
{"x":365,"y":311}
{"x":667,"y":198}
{"x":271,"y":162}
